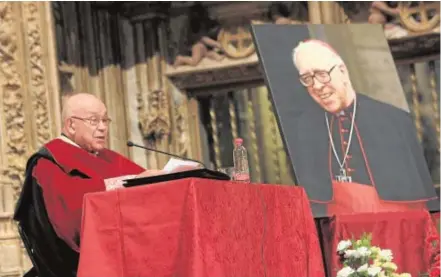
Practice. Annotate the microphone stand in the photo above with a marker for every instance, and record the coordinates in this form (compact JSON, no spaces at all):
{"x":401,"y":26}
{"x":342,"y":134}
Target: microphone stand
{"x":131,"y":144}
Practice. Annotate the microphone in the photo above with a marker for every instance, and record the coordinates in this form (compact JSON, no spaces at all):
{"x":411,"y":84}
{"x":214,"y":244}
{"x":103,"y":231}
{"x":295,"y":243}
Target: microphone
{"x":131,"y":144}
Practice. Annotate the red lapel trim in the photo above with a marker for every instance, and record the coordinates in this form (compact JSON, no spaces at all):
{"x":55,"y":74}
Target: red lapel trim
{"x":70,"y":157}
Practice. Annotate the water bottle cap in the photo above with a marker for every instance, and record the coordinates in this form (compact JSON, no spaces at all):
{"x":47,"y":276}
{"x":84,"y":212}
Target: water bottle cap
{"x":238,"y":141}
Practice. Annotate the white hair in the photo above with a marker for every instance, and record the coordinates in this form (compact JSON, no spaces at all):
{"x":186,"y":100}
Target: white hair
{"x":316,"y":46}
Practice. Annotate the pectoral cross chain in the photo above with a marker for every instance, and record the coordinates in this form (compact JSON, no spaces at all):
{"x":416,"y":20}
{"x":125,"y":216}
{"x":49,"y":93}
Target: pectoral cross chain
{"x":342,"y":177}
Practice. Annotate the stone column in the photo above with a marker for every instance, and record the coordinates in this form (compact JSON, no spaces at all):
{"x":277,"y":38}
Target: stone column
{"x":29,"y":110}
{"x":148,"y":92}
{"x":325,"y":12}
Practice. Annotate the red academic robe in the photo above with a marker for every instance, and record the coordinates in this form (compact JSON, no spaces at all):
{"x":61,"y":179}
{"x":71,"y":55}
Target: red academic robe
{"x":64,"y":185}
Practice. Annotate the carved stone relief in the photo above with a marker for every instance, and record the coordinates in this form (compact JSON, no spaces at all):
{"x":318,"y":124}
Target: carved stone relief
{"x":26,"y":112}
{"x":222,"y":37}
{"x":213,"y":34}
{"x":236,"y":41}
{"x":154,"y":119}
{"x":202,"y":32}
{"x":232,"y":57}
{"x":402,"y":19}
{"x":14,"y":143}
{"x":180,"y":115}
{"x":420,"y":17}
{"x":37,"y":81}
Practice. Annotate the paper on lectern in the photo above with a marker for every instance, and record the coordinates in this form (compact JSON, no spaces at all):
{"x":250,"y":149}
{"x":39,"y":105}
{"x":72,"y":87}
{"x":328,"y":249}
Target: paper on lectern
{"x":176,"y":163}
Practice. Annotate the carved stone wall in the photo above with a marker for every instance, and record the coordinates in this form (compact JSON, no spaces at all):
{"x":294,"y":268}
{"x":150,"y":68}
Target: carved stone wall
{"x":162,"y":110}
{"x":28,"y":110}
{"x":121,"y":55}
{"x":88,"y":57}
{"x":121,"y":58}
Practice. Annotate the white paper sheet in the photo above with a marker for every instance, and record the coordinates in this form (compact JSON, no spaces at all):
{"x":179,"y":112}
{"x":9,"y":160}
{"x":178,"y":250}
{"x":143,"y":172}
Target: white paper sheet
{"x":175,"y":163}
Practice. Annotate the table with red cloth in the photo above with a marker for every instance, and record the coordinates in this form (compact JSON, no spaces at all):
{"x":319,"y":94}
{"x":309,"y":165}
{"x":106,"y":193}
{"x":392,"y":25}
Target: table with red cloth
{"x":405,"y":233}
{"x":436,"y":220}
{"x":199,"y":227}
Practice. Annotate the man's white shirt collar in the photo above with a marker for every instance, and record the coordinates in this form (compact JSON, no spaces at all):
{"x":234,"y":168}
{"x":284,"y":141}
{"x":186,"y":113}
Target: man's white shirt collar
{"x":67,"y":140}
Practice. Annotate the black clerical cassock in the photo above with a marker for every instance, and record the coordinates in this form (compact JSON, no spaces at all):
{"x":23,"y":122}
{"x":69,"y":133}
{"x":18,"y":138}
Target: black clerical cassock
{"x":369,"y":163}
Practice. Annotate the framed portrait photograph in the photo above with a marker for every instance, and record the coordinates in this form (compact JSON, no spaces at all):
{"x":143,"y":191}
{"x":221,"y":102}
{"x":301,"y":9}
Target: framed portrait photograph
{"x":343,"y":118}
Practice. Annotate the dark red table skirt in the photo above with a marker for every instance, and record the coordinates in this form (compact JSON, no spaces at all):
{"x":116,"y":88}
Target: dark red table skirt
{"x":405,"y":233}
{"x":198,"y":227}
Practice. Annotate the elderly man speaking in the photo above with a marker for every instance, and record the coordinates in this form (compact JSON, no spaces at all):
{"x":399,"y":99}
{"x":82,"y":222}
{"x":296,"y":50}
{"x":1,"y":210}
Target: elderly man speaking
{"x":355,"y":154}
{"x":59,"y":176}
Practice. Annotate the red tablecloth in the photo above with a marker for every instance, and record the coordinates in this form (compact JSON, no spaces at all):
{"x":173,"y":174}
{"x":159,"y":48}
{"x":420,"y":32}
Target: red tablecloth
{"x":405,"y":233}
{"x":199,"y":227}
{"x":436,"y":220}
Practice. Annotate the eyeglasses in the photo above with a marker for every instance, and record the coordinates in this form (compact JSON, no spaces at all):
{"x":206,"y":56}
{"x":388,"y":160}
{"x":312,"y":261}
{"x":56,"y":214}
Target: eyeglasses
{"x":94,"y":121}
{"x":322,"y":76}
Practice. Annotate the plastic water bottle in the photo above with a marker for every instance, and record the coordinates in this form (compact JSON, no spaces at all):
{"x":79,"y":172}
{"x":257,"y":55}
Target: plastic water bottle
{"x":240,"y":159}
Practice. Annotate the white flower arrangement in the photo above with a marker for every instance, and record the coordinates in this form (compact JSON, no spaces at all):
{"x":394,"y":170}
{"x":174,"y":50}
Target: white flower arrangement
{"x":360,"y":259}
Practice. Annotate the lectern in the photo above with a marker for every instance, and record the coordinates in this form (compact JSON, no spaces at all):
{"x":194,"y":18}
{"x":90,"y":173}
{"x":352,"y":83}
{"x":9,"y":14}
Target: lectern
{"x":203,"y":173}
